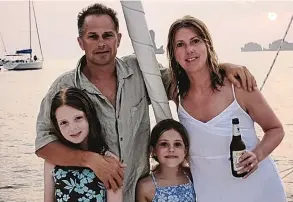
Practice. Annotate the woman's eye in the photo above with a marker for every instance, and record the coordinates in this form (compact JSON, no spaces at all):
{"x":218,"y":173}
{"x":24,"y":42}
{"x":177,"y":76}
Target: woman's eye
{"x":195,"y":41}
{"x":179,"y":44}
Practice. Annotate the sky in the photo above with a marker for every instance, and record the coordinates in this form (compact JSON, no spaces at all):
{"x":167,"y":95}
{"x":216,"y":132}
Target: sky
{"x":231,"y":23}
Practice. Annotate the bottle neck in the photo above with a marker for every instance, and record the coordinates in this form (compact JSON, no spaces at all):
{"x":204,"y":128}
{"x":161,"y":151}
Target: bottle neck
{"x":236,"y":130}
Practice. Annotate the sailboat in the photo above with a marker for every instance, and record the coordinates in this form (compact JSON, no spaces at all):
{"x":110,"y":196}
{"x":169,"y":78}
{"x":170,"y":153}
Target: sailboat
{"x":23,"y":59}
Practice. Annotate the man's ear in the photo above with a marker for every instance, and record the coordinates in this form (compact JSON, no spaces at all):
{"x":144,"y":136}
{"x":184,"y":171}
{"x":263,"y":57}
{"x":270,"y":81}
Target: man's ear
{"x":119,"y":39}
{"x":80,"y":42}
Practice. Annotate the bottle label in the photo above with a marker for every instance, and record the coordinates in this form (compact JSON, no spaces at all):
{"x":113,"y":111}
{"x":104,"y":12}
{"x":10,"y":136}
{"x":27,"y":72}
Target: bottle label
{"x":236,"y":155}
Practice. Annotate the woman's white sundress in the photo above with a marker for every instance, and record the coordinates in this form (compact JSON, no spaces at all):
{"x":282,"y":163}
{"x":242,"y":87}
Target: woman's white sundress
{"x":210,"y":164}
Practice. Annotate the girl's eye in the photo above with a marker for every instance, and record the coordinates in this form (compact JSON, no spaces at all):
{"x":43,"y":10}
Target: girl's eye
{"x":62,"y":123}
{"x":163,"y":144}
{"x":79,"y":117}
{"x":178,"y":144}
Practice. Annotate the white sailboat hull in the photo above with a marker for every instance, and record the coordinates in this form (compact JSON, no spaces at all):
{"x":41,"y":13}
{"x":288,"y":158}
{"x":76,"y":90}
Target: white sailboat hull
{"x":23,"y":65}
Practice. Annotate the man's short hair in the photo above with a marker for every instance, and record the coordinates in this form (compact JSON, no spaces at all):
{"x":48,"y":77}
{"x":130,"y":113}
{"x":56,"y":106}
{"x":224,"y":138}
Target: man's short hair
{"x":96,"y":9}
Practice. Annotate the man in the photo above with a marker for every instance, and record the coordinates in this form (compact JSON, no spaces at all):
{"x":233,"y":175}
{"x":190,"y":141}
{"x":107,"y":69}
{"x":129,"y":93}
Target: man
{"x":116,"y":86}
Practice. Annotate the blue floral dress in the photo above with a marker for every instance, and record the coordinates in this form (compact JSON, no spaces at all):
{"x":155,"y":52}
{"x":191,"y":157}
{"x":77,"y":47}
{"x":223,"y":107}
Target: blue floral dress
{"x":77,"y":184}
{"x":175,"y":193}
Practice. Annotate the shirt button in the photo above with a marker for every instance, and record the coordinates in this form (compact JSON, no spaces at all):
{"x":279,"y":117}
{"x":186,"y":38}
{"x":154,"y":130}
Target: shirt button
{"x":121,"y":139}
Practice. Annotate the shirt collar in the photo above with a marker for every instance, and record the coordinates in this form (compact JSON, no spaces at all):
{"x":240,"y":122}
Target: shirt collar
{"x":123,"y":71}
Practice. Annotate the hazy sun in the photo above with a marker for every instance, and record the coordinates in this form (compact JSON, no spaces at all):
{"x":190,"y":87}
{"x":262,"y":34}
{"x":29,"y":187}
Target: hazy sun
{"x":272,"y":16}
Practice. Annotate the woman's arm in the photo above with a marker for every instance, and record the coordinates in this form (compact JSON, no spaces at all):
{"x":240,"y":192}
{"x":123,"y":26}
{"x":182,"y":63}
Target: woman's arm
{"x":49,"y":191}
{"x":260,"y":111}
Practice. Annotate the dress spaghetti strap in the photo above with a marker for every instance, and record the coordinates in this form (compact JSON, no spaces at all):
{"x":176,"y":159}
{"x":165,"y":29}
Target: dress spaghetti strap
{"x":154,"y":180}
{"x":233,"y":91}
{"x":187,"y":176}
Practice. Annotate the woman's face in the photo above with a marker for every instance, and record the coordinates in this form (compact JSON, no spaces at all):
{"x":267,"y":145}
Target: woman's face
{"x":190,"y":51}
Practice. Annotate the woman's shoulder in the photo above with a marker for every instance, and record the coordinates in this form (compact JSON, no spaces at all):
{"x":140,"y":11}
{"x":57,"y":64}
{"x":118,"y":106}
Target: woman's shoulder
{"x":243,"y":96}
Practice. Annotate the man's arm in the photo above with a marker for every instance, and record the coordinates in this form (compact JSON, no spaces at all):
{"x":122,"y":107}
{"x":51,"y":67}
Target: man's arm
{"x":107,"y":169}
{"x":240,"y":76}
{"x":59,"y":154}
{"x":236,"y":72}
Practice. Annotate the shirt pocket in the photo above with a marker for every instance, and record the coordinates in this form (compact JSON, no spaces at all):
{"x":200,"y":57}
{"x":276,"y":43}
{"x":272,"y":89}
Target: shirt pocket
{"x":137,"y":114}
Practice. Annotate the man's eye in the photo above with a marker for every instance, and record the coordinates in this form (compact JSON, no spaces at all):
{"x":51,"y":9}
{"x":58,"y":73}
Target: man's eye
{"x":93,"y":36}
{"x":107,"y":36}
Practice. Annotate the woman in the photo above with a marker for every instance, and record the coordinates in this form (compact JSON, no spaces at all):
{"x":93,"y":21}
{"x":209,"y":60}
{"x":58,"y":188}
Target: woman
{"x":207,"y":102}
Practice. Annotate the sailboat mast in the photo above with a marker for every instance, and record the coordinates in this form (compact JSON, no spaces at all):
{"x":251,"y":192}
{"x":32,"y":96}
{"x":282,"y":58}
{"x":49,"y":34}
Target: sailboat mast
{"x":30,"y":26}
{"x":37,"y":29}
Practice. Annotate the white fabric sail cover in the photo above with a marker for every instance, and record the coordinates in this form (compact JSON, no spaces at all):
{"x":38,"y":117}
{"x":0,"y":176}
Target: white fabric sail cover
{"x":143,"y":48}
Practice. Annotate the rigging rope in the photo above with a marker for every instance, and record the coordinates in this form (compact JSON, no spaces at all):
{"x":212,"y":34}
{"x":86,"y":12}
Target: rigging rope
{"x":280,"y":46}
{"x":287,"y":173}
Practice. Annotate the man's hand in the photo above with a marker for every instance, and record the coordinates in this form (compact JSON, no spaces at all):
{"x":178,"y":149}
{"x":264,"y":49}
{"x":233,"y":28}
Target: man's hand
{"x":235,"y":72}
{"x":108,"y":169}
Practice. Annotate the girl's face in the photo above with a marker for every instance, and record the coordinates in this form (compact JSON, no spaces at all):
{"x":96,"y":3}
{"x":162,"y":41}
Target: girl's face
{"x":170,"y":149}
{"x":73,"y":124}
{"x":190,"y":50}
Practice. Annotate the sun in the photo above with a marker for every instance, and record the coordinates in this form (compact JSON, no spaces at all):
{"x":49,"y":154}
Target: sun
{"x":272,"y":16}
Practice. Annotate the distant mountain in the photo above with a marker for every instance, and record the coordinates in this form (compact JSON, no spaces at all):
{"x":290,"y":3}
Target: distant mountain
{"x":274,"y":46}
{"x":251,"y":47}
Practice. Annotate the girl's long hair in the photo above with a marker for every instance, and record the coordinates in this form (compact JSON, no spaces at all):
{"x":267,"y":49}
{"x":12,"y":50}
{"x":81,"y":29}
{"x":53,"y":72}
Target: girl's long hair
{"x":79,"y":100}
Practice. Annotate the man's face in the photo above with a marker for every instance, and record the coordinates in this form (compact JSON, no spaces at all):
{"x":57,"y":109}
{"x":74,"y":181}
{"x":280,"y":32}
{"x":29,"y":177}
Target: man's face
{"x":99,"y":40}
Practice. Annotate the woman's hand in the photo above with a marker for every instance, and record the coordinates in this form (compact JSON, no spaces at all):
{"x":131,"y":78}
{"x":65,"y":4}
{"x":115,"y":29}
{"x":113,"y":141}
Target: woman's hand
{"x":236,"y":72}
{"x":249,"y":163}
